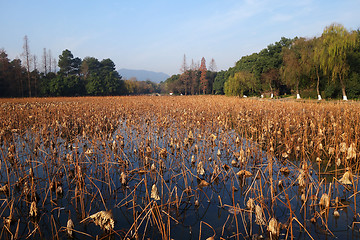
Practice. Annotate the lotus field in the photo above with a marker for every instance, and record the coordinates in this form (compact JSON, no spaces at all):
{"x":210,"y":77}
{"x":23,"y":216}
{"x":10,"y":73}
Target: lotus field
{"x":179,"y":167}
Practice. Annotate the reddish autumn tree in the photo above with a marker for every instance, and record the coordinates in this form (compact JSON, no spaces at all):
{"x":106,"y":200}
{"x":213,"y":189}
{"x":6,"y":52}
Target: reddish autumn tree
{"x":203,"y":80}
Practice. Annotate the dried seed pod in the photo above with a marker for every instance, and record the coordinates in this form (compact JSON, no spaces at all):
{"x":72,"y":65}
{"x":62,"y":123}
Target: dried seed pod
{"x":154,"y":193}
{"x":11,"y":149}
{"x":33,"y":209}
{"x":146,"y":161}
{"x":212,"y":137}
{"x":31,"y":172}
{"x":196,"y":149}
{"x":304,"y":166}
{"x":250,"y":204}
{"x":153,"y":167}
{"x":301,"y":178}
{"x":273,"y":228}
{"x":200,"y":168}
{"x":259,"y":216}
{"x":69,"y":158}
{"x":89,"y":152}
{"x":203,"y":183}
{"x":148,"y":151}
{"x":215,"y":172}
{"x":104,"y":219}
{"x":26,"y":189}
{"x":303,"y":197}
{"x":324,"y":201}
{"x":113,"y":146}
{"x":343,"y":147}
{"x":193,"y":161}
{"x":320,"y":146}
{"x":59,"y":190}
{"x":241,"y":157}
{"x":70,"y":227}
{"x":244,"y":173}
{"x":346,"y":178}
{"x":123,"y":178}
{"x":234,"y":163}
{"x":190,"y":136}
{"x":285,"y":171}
{"x":7,"y":222}
{"x":163,"y":153}
{"x":351,"y":152}
{"x":338,"y":162}
{"x":281,"y":184}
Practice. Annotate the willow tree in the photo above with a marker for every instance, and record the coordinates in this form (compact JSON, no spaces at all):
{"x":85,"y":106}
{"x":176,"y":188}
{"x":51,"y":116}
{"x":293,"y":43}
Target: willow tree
{"x":316,"y":44}
{"x":291,"y":69}
{"x":239,"y":83}
{"x":336,"y":43}
{"x":309,"y":64}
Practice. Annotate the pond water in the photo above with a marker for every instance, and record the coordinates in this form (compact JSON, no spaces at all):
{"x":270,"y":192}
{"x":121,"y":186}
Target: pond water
{"x":191,"y":205}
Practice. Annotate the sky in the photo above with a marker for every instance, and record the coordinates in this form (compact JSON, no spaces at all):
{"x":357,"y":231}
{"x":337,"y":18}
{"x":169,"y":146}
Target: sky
{"x":155,"y":34}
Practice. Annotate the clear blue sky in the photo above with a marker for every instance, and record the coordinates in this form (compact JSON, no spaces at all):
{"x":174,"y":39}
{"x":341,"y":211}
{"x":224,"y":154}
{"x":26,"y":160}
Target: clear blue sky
{"x":154,"y":35}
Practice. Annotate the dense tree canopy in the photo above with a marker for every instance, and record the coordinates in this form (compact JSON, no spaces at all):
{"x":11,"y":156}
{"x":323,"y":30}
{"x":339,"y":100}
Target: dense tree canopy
{"x":320,"y":66}
{"x":326,"y":66}
{"x":76,"y":77}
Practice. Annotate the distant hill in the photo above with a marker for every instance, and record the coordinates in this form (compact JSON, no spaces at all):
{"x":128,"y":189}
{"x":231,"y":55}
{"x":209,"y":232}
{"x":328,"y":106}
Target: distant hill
{"x":143,"y":75}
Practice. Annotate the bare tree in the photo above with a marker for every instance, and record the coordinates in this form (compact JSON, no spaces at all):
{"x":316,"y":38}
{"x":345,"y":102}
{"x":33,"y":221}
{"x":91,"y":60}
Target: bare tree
{"x":35,"y":75}
{"x":26,"y":54}
{"x":184,"y":67}
{"x":35,"y":62}
{"x":44,"y":60}
{"x":185,"y":77}
{"x":212,"y":66}
{"x":54,"y":62}
{"x":50,"y":60}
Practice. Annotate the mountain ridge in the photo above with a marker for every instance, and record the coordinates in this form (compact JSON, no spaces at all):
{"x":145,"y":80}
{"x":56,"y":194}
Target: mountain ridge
{"x":143,"y":75}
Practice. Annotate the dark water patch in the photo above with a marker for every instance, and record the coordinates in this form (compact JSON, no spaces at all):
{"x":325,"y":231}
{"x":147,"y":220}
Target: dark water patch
{"x":89,"y":172}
